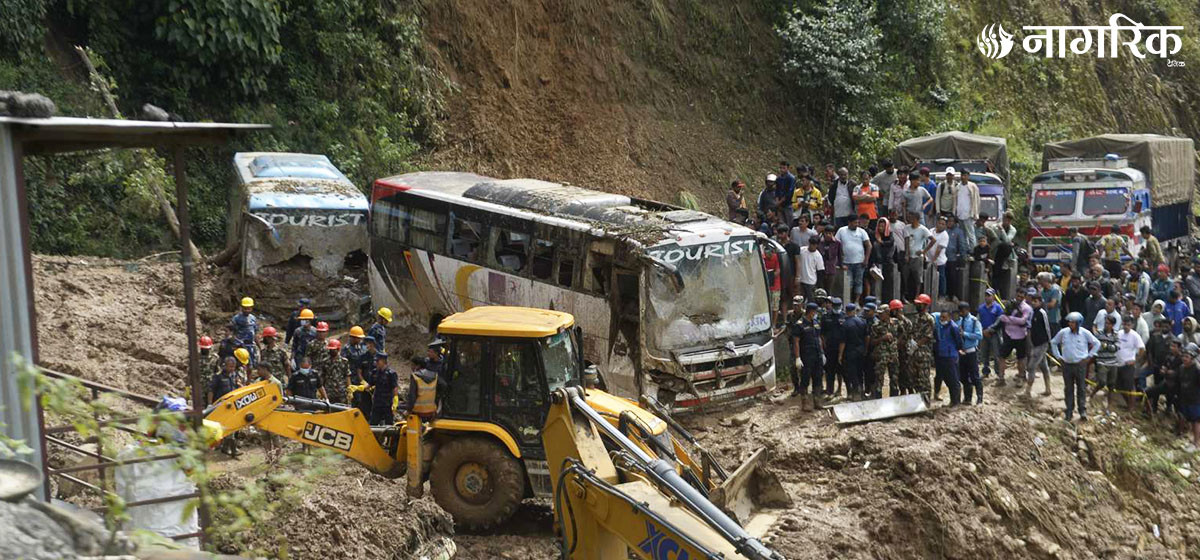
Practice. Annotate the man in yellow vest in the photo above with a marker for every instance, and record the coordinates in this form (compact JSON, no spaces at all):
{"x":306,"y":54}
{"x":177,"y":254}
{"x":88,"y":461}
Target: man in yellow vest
{"x":423,"y":390}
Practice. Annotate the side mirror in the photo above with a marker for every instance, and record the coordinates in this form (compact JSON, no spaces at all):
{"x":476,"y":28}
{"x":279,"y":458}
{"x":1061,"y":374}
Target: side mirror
{"x":670,"y":269}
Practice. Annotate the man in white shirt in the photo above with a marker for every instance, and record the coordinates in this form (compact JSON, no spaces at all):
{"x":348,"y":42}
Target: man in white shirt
{"x":966,"y":205}
{"x":840,"y":193}
{"x":856,"y":245}
{"x":809,"y":263}
{"x":1130,"y":350}
{"x":937,"y":253}
{"x":917,"y":240}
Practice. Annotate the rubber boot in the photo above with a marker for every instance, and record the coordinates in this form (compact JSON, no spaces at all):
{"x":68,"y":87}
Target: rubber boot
{"x":979,"y":392}
{"x":966,"y":392}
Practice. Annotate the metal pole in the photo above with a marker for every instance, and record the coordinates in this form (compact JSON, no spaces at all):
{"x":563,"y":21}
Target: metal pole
{"x":189,"y":303}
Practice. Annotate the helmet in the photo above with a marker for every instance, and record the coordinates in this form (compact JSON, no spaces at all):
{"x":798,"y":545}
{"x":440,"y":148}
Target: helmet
{"x":386,"y":314}
{"x":820,"y":293}
{"x":924,"y":299}
{"x":270,"y":332}
{"x":1074,"y":317}
{"x":322,"y":326}
{"x":247,"y":302}
{"x":242,"y":355}
{"x":895,"y":304}
{"x":437,"y":342}
{"x":356,"y":331}
{"x":333,"y":344}
{"x":306,"y":314}
{"x":205,"y":342}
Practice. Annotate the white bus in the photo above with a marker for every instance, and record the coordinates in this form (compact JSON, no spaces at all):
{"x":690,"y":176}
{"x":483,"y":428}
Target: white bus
{"x":673,"y":303}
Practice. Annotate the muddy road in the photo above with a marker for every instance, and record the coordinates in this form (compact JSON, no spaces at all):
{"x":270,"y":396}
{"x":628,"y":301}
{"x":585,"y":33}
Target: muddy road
{"x":1005,"y":479}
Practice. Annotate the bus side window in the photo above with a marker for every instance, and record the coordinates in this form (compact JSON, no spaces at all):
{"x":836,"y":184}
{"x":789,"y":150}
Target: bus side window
{"x":467,"y":239}
{"x":428,"y":230}
{"x":600,"y":266}
{"x":543,"y":259}
{"x":566,"y":272}
{"x":512,"y":250}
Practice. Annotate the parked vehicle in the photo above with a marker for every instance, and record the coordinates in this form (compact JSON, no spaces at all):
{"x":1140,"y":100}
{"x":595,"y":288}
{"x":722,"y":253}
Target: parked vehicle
{"x":986,"y":157}
{"x":674,"y":302}
{"x":1123,"y":180}
{"x":992,"y":201}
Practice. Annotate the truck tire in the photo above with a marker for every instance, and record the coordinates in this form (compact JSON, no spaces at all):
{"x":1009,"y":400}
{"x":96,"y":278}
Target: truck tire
{"x":477,"y":481}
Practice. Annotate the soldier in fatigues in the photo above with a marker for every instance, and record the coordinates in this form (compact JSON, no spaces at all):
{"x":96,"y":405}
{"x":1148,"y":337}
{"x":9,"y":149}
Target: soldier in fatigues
{"x":921,"y":358}
{"x":884,"y":345}
{"x":274,"y":357}
{"x":209,"y":364}
{"x":335,"y":373}
{"x":316,"y":348}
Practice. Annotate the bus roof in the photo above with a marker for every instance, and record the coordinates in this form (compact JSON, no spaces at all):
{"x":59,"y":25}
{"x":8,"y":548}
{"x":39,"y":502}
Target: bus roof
{"x":499,"y":320}
{"x":287,"y":180}
{"x":651,"y":221}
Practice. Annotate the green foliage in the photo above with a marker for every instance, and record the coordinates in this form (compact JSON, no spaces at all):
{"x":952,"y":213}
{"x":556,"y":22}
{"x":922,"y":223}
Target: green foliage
{"x":21,"y":27}
{"x":239,"y":39}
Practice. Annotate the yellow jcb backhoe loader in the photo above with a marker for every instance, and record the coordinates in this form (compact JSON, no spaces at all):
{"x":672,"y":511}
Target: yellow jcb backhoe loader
{"x":483,"y":454}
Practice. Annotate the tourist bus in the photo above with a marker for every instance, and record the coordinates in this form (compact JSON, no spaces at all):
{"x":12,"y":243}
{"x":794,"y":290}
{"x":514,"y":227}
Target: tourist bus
{"x":673,"y":303}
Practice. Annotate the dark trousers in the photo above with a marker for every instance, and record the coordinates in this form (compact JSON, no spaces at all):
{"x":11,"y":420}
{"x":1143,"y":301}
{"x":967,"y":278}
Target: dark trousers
{"x":954,"y":274}
{"x":870,"y":377}
{"x":968,"y":375}
{"x":811,"y":373}
{"x":382,"y":416}
{"x":910,"y":279}
{"x":833,"y":370}
{"x":1075,"y":387}
{"x":946,"y":371}
{"x":853,"y":373}
{"x":1157,"y":390}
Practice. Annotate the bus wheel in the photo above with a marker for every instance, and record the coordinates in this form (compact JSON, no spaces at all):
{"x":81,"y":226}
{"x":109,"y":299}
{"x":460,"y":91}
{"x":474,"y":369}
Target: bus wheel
{"x":477,"y":482}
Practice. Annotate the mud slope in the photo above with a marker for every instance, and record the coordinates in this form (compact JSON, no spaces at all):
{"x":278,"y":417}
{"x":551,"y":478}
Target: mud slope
{"x":646,"y":98}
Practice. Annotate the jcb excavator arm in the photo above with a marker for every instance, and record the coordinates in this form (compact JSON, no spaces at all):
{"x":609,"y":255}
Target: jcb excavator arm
{"x":638,"y":503}
{"x":337,"y":427}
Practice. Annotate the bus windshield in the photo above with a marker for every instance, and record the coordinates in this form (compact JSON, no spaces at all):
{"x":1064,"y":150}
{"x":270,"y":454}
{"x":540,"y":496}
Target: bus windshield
{"x":1053,"y":203}
{"x":1097,"y":202}
{"x":561,"y":361}
{"x":723,"y":294}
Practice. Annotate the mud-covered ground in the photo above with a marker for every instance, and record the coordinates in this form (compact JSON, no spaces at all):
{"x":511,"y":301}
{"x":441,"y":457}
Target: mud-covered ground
{"x":1005,"y":479}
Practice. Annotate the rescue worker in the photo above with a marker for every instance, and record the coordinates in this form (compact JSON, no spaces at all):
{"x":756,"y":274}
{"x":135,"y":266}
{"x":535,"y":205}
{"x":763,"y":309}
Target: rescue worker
{"x":316,"y":347}
{"x":264,"y":374}
{"x":806,"y":341}
{"x":360,"y":395}
{"x":220,"y":385}
{"x":434,"y":358}
{"x":883,"y":345}
{"x":335,"y":373}
{"x":423,"y":390}
{"x":354,"y":352}
{"x":852,"y":351}
{"x":384,"y":384}
{"x":921,"y":341}
{"x":275,"y":358}
{"x":209,"y":362}
{"x":378,"y":331}
{"x":245,"y":329}
{"x":305,"y":382}
{"x":228,"y":344}
{"x":294,"y":320}
{"x":968,"y":363}
{"x":302,"y":335}
{"x":831,"y":336}
{"x":241,"y":372}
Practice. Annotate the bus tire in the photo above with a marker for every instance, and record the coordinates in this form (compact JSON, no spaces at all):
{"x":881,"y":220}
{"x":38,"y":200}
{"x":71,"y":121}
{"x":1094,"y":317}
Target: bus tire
{"x":477,"y":481}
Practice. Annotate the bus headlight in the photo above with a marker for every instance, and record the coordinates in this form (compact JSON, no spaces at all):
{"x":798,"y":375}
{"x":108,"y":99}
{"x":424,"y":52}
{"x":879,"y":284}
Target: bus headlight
{"x":1039,"y":252}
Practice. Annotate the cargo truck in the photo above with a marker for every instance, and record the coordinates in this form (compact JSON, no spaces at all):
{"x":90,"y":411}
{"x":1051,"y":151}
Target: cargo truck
{"x":986,"y":157}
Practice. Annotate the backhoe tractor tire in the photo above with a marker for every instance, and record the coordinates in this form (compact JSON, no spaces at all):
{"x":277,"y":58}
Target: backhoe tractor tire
{"x":477,"y":481}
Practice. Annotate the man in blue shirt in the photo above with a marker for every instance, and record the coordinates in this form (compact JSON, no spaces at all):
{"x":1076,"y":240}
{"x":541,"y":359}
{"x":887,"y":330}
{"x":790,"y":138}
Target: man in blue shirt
{"x":1074,"y":346}
{"x":948,"y":346}
{"x":968,"y":363}
{"x":931,"y":188}
{"x":989,"y":348}
{"x":1176,"y":310}
{"x":785,"y":187}
{"x":1051,"y":296}
{"x":956,"y":255}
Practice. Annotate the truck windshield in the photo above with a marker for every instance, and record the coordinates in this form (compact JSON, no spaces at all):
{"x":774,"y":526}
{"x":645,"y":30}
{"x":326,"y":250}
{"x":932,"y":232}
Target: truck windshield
{"x":723,"y":295}
{"x":1097,"y":202}
{"x":561,"y":361}
{"x":989,"y":205}
{"x":1053,"y":203}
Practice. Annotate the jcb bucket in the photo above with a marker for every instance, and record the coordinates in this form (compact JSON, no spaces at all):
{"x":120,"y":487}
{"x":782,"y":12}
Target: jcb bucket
{"x":750,"y":491}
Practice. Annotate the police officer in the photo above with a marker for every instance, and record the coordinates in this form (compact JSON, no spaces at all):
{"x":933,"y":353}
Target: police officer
{"x":831,"y":334}
{"x":275,"y":358}
{"x":794,"y":315}
{"x":870,"y":317}
{"x":806,"y":340}
{"x":302,"y":335}
{"x":360,"y":374}
{"x":851,"y":351}
{"x":305,"y":382}
{"x":385,"y":384}
{"x":228,"y":344}
{"x":222,"y":384}
{"x":335,"y":372}
{"x":378,"y":331}
{"x":435,"y":359}
{"x":245,"y":329}
{"x":294,"y":320}
{"x":424,"y":390}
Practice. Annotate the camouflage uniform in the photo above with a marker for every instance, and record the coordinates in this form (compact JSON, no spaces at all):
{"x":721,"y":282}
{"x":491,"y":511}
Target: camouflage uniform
{"x":335,"y":375}
{"x":921,"y":359}
{"x":276,"y":360}
{"x":316,"y":351}
{"x":209,"y":366}
{"x":885,"y":354}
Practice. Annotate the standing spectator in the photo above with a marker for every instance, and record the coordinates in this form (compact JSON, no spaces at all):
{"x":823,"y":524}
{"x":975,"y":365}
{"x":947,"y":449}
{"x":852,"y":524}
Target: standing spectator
{"x":1095,"y":303}
{"x":1074,"y":299}
{"x":735,"y":202}
{"x":840,"y":191}
{"x":883,"y":254}
{"x":785,"y":187}
{"x":787,"y":265}
{"x":1191,"y":332}
{"x":894,"y":199}
{"x":1110,"y":308}
{"x":915,"y":198}
{"x":1005,"y":255}
{"x":831,"y":254}
{"x":884,"y":181}
{"x":1176,"y":310}
{"x":1162,"y":285}
{"x":949,"y":346}
{"x":957,"y":251}
{"x":1151,"y":252}
{"x":809,"y":264}
{"x":1074,"y":346}
{"x":968,"y":364}
{"x":766,"y":199}
{"x":966,"y":205}
{"x":807,"y":200}
{"x":929,"y":210}
{"x":802,"y":232}
{"x":1189,"y":392}
{"x":1051,"y":297}
{"x":774,"y":278}
{"x":989,"y":317}
{"x":1192,"y":282}
{"x":1106,"y":359}
{"x":1082,"y":249}
{"x":1112,"y":246}
{"x":1130,"y":350}
{"x":866,"y":195}
{"x":1040,"y":331}
{"x":1016,"y":333}
{"x":937,"y":253}
{"x":947,"y":194}
{"x":917,"y":242}
{"x":856,"y":245}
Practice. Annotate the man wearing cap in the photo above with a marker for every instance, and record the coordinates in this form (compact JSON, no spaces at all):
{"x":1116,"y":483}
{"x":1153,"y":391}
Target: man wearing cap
{"x":385,"y":385}
{"x":831,"y":335}
{"x":947,"y":194}
{"x":989,"y":318}
{"x":921,"y":345}
{"x":766,"y":199}
{"x":1162,"y":285}
{"x":1016,"y":332}
{"x":275,"y":358}
{"x":806,"y":343}
{"x":1041,"y":328}
{"x":851,"y":352}
{"x":948,"y":347}
{"x":435,"y":360}
{"x":1074,"y":346}
{"x":335,"y":373}
{"x":294,"y":320}
{"x":883,"y":346}
{"x":734,"y":201}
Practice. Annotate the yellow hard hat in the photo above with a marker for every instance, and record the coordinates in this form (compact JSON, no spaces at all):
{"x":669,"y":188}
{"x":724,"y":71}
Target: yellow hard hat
{"x":386,"y":314}
{"x":242,"y":355}
{"x":247,"y":302}
{"x":356,"y":331}
{"x":306,"y":314}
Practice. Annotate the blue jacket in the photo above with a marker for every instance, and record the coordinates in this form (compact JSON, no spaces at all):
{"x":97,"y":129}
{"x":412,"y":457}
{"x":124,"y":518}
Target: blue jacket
{"x":245,"y":326}
{"x":1176,"y":312}
{"x":989,"y":315}
{"x":972,"y":331}
{"x":949,"y":339}
{"x":379,"y":333}
{"x":785,"y":186}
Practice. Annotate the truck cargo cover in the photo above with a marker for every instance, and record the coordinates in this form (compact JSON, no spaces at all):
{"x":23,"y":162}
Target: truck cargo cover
{"x":956,"y":145}
{"x":1169,"y":162}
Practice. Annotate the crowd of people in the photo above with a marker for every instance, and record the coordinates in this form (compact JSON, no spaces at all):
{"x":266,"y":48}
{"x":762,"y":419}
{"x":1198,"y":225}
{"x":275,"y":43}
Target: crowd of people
{"x":310,"y":364}
{"x":853,"y":232}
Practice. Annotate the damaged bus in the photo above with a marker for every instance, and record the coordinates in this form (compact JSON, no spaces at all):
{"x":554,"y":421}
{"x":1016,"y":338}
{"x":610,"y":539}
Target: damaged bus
{"x":673,"y":303}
